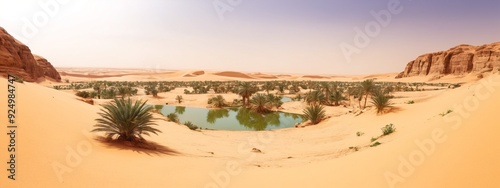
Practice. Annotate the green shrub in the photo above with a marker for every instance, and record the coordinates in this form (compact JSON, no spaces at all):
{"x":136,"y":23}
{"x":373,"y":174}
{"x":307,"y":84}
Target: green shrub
{"x":375,"y":144}
{"x":83,"y":94}
{"x":173,"y":117}
{"x":191,"y":125}
{"x":446,"y":113}
{"x":388,"y":129}
{"x":410,"y":102}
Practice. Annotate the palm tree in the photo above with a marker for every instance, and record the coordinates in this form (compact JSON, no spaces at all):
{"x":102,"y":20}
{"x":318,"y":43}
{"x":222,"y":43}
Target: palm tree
{"x":274,"y":100}
{"x":315,"y":97}
{"x":368,"y":87}
{"x":179,"y":98}
{"x":315,"y":113}
{"x":260,"y":103}
{"x":350,"y":92}
{"x":337,"y":97}
{"x":123,"y":91}
{"x":268,"y":86}
{"x":127,"y":120}
{"x":325,"y":87}
{"x":217,"y":101}
{"x":380,"y":100}
{"x":97,"y":88}
{"x":246,"y":90}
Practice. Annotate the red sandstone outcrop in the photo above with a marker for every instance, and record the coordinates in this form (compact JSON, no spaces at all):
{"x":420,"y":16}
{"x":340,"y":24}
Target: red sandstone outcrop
{"x":463,"y":59}
{"x":16,"y":58}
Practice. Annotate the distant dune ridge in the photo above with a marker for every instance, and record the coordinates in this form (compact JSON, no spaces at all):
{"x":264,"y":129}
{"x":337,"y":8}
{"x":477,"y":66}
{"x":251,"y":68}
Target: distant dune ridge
{"x":16,"y":58}
{"x":233,"y":74}
{"x":459,"y":60}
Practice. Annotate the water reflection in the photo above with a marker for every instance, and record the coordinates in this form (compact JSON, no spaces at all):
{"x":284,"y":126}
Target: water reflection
{"x":233,"y":118}
{"x":215,"y":114}
{"x":180,"y":110}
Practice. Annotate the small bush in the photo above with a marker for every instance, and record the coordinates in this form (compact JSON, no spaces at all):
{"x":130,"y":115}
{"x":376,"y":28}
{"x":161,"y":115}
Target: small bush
{"x":446,"y":113}
{"x":373,"y":139}
{"x":388,"y":129}
{"x":375,"y":144}
{"x":360,"y":133}
{"x":191,"y":125}
{"x":173,"y":117}
{"x":83,"y":94}
{"x":454,"y":86}
{"x":179,"y":98}
{"x":410,"y":102}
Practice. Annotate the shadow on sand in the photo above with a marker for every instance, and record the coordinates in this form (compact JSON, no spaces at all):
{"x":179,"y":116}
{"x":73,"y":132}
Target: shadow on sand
{"x":146,"y":147}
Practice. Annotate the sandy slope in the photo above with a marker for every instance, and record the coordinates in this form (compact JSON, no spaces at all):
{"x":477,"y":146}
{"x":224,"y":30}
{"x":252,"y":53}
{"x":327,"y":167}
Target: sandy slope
{"x":56,"y":150}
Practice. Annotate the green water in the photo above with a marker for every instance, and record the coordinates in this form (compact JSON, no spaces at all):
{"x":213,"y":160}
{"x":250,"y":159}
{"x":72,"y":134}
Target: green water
{"x":232,"y":118}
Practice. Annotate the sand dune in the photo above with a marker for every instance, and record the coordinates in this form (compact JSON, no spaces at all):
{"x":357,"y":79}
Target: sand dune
{"x":234,"y":74}
{"x":197,"y":73}
{"x":56,"y":148}
{"x":314,"y":76}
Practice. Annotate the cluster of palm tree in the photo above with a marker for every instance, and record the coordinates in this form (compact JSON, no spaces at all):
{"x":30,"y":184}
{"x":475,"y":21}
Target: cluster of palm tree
{"x":264,"y":103}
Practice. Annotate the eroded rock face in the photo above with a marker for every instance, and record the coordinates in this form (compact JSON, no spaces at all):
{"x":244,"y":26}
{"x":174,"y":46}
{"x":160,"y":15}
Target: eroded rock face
{"x":463,"y":59}
{"x":16,"y":58}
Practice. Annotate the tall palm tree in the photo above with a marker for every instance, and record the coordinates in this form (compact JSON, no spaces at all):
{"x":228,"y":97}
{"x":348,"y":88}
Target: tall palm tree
{"x":268,"y":86}
{"x":337,"y":97}
{"x":327,"y":90}
{"x":97,"y":88}
{"x":380,"y":100}
{"x":127,"y":120}
{"x":315,"y":113}
{"x":368,"y":87}
{"x":246,"y":90}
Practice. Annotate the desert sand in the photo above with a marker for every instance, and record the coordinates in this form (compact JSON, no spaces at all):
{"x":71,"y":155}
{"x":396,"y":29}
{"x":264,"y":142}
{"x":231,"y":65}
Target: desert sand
{"x":56,"y":149}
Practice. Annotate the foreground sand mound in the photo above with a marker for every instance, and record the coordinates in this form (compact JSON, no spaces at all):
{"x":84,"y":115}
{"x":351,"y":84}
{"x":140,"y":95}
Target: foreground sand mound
{"x":234,"y":74}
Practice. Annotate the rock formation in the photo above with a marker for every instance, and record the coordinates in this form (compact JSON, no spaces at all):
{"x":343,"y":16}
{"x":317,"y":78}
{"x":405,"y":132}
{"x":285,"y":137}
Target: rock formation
{"x":16,"y":58}
{"x":463,"y":59}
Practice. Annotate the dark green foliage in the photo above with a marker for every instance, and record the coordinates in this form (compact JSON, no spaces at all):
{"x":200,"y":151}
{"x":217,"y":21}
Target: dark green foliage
{"x":315,"y":113}
{"x":126,"y":119}
{"x":375,"y":144}
{"x":83,"y":94}
{"x":173,"y":117}
{"x":388,"y":129}
{"x":190,"y":125}
{"x":380,"y":100}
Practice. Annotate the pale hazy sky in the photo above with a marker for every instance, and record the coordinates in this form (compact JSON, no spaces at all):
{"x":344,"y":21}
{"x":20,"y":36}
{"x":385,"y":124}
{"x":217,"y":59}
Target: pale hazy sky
{"x":291,"y":36}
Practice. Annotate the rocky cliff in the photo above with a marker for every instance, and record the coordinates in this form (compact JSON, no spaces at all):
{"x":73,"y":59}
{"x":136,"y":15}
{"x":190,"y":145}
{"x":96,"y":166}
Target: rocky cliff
{"x":462,"y":59}
{"x":16,"y":58}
